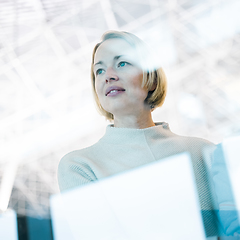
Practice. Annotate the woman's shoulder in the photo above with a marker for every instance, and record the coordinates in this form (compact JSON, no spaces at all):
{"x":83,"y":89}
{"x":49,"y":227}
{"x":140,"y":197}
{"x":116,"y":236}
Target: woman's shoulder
{"x":78,"y":155}
{"x":200,"y":141}
{"x":192,"y":140}
{"x":75,"y":169}
{"x":196,"y":145}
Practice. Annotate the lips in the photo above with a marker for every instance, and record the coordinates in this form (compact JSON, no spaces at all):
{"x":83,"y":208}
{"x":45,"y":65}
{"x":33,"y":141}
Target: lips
{"x":113,"y":88}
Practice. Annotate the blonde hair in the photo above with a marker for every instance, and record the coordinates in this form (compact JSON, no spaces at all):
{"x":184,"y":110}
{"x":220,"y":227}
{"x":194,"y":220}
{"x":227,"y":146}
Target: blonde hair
{"x":152,"y":75}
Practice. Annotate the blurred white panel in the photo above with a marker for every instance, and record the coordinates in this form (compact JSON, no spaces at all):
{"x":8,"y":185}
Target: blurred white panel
{"x":137,"y":204}
{"x":8,"y":225}
{"x":87,"y":215}
{"x":60,"y":226}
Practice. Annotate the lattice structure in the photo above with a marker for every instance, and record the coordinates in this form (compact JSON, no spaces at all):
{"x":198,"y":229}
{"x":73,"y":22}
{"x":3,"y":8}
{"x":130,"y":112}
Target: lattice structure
{"x":46,"y":103}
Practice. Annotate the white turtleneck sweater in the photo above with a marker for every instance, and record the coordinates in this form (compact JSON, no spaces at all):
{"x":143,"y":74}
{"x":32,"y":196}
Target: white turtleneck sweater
{"x":121,"y":149}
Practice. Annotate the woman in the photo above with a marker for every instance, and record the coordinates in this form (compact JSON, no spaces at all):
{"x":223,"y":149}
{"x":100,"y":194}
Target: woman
{"x":127,"y":88}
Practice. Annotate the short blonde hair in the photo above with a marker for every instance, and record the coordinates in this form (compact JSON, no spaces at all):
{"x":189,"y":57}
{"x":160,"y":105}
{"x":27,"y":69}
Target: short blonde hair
{"x":152,"y":75}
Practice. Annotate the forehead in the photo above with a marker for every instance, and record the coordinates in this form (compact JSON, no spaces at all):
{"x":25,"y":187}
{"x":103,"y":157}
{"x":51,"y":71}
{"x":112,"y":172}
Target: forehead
{"x":114,"y":47}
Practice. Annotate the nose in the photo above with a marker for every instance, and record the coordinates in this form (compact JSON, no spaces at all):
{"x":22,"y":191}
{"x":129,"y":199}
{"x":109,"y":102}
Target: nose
{"x":111,"y":75}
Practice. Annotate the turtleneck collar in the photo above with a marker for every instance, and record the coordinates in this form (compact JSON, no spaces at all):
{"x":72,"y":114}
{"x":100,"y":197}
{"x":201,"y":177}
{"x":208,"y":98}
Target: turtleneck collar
{"x":163,"y":124}
{"x":116,"y":135}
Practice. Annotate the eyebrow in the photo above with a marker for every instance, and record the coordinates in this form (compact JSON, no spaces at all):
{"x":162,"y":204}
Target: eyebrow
{"x":115,"y":58}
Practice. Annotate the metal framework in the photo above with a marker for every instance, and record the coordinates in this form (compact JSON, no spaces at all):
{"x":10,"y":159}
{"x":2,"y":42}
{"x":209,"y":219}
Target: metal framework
{"x":46,"y":103}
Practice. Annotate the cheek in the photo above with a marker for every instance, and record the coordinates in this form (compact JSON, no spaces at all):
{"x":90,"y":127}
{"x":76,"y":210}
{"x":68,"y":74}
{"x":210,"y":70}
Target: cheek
{"x":137,"y":86}
{"x":137,"y":80}
{"x":99,"y":92}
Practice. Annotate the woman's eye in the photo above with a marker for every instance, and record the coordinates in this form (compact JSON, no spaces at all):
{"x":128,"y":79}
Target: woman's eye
{"x":122,"y":64}
{"x":99,"y":71}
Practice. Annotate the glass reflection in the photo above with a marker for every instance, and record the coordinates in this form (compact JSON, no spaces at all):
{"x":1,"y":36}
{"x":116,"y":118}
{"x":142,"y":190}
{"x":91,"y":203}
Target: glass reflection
{"x":227,"y":213}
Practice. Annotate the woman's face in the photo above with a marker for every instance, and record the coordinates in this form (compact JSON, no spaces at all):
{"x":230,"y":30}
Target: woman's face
{"x":118,"y":78}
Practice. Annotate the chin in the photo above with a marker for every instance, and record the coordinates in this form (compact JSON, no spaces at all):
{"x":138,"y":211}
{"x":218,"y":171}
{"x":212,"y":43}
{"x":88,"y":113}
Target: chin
{"x":116,"y":108}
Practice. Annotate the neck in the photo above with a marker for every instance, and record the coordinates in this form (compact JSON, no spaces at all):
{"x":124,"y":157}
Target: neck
{"x":131,"y":121}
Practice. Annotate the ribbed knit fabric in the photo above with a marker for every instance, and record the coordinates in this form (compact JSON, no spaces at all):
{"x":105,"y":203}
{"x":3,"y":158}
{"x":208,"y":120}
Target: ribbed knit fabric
{"x":121,"y":149}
